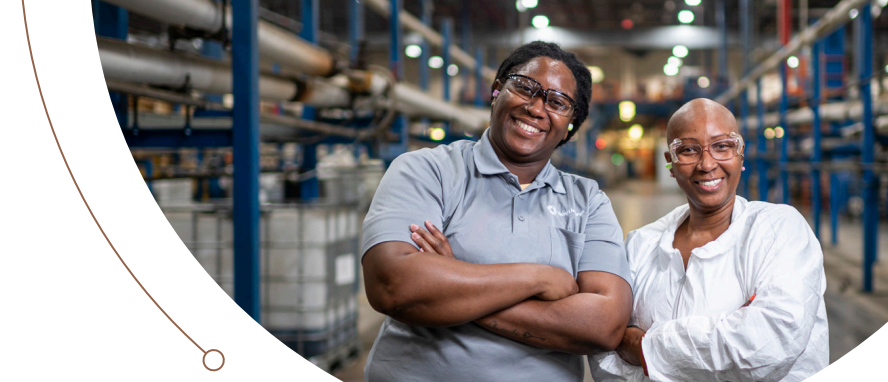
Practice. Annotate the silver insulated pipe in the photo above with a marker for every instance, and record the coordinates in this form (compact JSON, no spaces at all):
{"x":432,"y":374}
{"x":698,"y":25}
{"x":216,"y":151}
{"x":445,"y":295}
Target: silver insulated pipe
{"x":131,"y":63}
{"x":139,"y":64}
{"x":275,"y":44}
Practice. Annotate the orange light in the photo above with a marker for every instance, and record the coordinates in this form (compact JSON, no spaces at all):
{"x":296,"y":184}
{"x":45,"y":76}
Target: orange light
{"x":600,"y":143}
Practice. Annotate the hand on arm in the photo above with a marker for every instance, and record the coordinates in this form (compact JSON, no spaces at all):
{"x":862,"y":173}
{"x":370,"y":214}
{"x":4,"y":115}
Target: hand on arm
{"x":762,"y":339}
{"x":432,"y":289}
{"x":630,"y":347}
{"x":581,"y":323}
{"x":591,"y":320}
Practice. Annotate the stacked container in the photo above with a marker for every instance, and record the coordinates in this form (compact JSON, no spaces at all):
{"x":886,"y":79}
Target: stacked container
{"x":309,"y":266}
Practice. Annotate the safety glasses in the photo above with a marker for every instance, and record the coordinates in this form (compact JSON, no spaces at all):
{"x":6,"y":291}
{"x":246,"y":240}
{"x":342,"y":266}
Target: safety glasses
{"x":528,"y":88}
{"x":689,"y":151}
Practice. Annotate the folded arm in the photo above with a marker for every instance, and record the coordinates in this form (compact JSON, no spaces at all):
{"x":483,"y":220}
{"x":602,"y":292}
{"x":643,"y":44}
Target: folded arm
{"x":427,"y":289}
{"x":591,"y":320}
{"x":758,"y":342}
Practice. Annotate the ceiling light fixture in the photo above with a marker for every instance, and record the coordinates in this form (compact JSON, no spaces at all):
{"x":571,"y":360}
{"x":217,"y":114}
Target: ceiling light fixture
{"x":703,"y":82}
{"x":540,"y":21}
{"x":670,"y":70}
{"x":436,"y":62}
{"x":680,"y":51}
{"x":413,"y":51}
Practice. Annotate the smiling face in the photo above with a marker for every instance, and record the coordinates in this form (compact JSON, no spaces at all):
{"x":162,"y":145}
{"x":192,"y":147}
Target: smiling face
{"x":523,"y":131}
{"x":709,"y":184}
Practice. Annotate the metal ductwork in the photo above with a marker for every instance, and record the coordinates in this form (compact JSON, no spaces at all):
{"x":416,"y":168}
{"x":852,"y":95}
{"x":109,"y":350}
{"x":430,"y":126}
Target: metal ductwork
{"x":275,"y":44}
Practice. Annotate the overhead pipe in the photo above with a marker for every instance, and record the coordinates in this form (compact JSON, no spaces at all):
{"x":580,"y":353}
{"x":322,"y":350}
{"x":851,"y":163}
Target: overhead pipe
{"x":836,"y":16}
{"x":129,"y":63}
{"x":831,"y":112}
{"x":411,"y":23}
{"x":268,"y":133}
{"x":275,"y":43}
{"x":139,"y":64}
{"x":134,"y":63}
{"x":413,"y":101}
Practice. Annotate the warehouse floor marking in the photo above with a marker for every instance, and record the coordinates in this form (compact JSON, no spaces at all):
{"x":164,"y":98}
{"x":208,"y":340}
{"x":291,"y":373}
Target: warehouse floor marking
{"x":205,"y":352}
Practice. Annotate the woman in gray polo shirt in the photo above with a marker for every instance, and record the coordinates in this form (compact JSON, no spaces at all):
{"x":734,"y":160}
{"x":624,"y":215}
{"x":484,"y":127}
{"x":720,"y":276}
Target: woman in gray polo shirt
{"x":537,"y":274}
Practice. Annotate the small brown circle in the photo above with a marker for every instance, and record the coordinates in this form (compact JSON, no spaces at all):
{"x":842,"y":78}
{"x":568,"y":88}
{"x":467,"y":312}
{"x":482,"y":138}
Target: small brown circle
{"x":205,"y":359}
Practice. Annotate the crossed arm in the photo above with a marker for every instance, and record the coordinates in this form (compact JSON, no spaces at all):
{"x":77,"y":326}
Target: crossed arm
{"x":531,"y":303}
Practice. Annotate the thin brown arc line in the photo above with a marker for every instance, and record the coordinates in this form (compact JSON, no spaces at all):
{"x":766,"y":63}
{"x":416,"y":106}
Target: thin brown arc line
{"x":33,"y":65}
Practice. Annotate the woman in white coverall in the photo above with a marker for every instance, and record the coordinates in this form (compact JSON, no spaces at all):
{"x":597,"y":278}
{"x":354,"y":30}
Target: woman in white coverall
{"x":725,"y":289}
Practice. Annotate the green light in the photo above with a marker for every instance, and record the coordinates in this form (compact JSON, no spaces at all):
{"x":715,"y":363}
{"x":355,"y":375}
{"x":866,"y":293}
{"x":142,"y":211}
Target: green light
{"x":617,"y":159}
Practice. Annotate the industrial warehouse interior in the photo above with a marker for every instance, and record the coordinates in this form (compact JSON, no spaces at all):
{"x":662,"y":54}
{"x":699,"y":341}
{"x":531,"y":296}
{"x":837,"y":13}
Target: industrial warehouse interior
{"x":263,"y":128}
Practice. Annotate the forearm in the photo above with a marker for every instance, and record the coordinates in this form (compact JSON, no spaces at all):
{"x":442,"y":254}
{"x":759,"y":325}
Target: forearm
{"x":579,"y":324}
{"x":710,"y":346}
{"x":431,"y":290}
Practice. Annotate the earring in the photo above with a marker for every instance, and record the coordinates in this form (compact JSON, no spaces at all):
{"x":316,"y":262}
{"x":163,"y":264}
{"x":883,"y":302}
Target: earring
{"x":570,"y":127}
{"x":495,"y":93}
{"x":743,"y":168}
{"x":671,"y":175}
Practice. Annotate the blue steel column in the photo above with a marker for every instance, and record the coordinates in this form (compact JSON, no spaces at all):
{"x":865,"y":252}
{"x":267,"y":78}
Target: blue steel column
{"x":465,"y":42}
{"x":245,"y":72}
{"x":871,"y":182}
{"x":112,"y":21}
{"x":355,"y":29}
{"x":309,"y":189}
{"x":446,"y":36}
{"x":761,"y":143}
{"x":834,"y":80}
{"x":396,"y":64}
{"x":745,"y":39}
{"x":817,"y":155}
{"x":479,"y":79}
{"x":446,"y":41}
{"x":424,"y":56}
{"x":784,"y":142}
{"x":720,"y":17}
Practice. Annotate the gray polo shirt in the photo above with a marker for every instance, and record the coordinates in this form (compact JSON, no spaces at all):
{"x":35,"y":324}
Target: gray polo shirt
{"x":560,"y":219}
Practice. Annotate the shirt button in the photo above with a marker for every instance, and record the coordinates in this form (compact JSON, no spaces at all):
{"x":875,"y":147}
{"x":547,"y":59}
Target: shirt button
{"x":521,"y":217}
{"x":520,"y":196}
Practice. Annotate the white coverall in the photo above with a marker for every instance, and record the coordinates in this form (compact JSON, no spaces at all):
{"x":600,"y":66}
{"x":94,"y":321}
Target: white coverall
{"x":695,"y":327}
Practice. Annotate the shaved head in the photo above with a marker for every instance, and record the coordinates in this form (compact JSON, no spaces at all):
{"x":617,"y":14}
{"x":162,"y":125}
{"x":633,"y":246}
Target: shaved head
{"x":700,"y":111}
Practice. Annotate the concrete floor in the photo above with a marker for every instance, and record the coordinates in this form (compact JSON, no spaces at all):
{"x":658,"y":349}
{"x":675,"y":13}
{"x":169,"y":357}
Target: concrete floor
{"x":853,"y":315}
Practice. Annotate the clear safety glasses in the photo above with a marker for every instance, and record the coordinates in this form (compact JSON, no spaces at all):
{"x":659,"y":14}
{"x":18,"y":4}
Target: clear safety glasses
{"x":688,"y":151}
{"x":527,"y":88}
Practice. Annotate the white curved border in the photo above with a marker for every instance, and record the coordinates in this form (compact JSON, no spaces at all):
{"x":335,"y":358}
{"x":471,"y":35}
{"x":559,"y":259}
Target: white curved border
{"x":70,"y":308}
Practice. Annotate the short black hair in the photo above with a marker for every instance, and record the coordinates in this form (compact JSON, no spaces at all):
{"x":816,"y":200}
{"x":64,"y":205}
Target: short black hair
{"x":535,"y":49}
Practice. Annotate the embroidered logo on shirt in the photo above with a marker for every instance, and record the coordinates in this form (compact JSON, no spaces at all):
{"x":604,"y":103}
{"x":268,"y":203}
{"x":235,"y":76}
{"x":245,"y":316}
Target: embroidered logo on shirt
{"x":555,"y":212}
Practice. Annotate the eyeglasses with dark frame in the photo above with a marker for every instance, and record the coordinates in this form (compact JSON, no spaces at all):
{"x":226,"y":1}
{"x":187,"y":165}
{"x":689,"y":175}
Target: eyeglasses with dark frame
{"x":528,"y":88}
{"x":684,"y":152}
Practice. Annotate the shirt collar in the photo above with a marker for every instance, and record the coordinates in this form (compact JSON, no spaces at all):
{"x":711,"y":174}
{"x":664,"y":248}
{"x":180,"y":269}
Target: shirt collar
{"x":716,"y":247}
{"x":486,"y":160}
{"x":488,"y":163}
